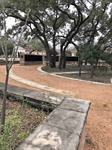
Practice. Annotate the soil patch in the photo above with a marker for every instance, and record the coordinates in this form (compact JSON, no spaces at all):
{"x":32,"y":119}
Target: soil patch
{"x":104,"y":78}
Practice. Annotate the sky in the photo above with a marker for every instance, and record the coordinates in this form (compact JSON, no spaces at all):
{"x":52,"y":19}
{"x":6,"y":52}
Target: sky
{"x":10,"y":22}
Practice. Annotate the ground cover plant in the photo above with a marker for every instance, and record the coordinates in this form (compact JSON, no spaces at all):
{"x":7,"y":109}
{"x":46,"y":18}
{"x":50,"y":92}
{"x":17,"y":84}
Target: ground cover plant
{"x":101,"y":73}
{"x":21,"y":120}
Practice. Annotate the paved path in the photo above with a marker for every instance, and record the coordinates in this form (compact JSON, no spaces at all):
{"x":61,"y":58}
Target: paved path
{"x":99,"y":125}
{"x":40,"y":86}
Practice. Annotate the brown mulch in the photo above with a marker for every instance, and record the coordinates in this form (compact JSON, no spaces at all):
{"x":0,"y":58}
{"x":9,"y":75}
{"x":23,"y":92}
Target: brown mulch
{"x":99,"y":123}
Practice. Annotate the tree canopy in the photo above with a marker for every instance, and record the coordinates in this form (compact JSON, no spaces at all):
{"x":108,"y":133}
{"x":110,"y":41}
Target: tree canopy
{"x":62,"y":22}
{"x":10,"y":47}
{"x":95,"y":36}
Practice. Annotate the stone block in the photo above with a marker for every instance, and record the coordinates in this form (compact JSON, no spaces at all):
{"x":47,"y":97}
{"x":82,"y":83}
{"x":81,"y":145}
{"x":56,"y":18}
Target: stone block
{"x":67,"y":120}
{"x":75,"y":104}
{"x":48,"y":137}
{"x":17,"y":90}
{"x":40,"y":96}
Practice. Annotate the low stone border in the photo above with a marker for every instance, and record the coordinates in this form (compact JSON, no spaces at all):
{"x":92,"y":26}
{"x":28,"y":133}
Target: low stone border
{"x":40,"y":86}
{"x":63,"y":129}
{"x":57,"y":74}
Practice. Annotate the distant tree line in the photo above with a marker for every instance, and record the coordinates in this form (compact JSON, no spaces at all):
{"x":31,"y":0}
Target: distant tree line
{"x":83,"y":23}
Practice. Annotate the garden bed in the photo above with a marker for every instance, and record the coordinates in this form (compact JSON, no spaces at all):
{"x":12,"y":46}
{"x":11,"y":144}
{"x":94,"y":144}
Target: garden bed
{"x":21,"y":120}
{"x":103,"y":78}
{"x":101,"y":73}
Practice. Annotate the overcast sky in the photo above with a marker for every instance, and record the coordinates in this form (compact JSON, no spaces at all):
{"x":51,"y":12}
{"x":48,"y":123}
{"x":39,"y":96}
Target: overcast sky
{"x":10,"y":21}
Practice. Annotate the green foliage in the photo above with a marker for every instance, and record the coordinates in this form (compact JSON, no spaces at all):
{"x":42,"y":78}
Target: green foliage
{"x":107,"y":57}
{"x":23,"y":43}
{"x":92,"y":53}
{"x":89,"y":52}
{"x":35,"y":45}
{"x":109,"y":60}
{"x":82,"y":52}
{"x":96,"y":33}
{"x":104,"y":56}
{"x":13,"y":134}
{"x":9,"y":45}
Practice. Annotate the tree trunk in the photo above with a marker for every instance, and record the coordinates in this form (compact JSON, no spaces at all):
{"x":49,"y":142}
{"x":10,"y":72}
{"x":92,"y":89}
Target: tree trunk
{"x":64,"y":60}
{"x":85,"y":62}
{"x":54,"y":50}
{"x":97,"y":61}
{"x":60,"y":59}
{"x":48,"y":53}
{"x":3,"y":113}
{"x":92,"y":70}
{"x":80,"y":68}
{"x":53,"y":61}
{"x":60,"y":62}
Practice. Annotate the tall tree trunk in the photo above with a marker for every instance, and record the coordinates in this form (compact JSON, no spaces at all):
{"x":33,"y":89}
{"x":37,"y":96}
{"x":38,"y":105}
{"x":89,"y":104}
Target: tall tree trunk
{"x":60,"y":59}
{"x":60,"y":62}
{"x":92,"y":70}
{"x":80,"y":68}
{"x":97,"y":61}
{"x":54,"y":50}
{"x":48,"y":53}
{"x":53,"y":61}
{"x":3,"y":113}
{"x":85,"y":62}
{"x":64,"y":60}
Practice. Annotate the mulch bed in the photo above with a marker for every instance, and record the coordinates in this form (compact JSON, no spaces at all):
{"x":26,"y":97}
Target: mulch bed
{"x":100,"y":75}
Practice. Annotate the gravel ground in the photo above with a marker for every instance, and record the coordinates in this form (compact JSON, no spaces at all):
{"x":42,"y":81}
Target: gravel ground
{"x":99,"y":123}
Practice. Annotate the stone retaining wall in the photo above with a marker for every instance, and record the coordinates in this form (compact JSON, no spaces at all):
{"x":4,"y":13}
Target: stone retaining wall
{"x":63,"y":129}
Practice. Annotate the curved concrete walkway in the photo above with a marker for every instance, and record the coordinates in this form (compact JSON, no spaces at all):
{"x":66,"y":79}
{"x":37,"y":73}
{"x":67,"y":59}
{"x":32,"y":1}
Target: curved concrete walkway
{"x":33,"y":77}
{"x":40,"y":86}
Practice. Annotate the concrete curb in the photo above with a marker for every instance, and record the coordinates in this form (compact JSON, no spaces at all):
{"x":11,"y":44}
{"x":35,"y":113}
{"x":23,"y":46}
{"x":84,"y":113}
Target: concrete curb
{"x":36,"y":85}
